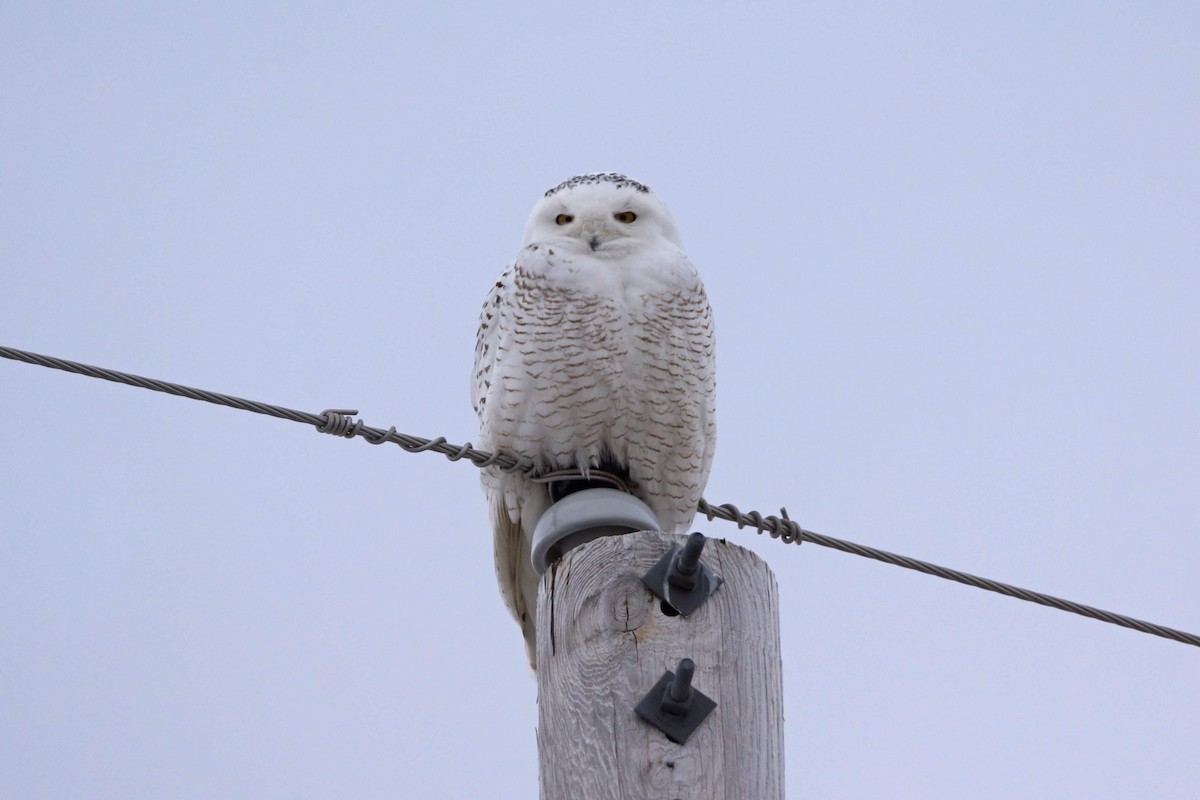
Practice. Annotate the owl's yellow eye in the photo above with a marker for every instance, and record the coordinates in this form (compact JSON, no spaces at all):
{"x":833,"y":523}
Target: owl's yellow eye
{"x":563,"y":219}
{"x":625,"y":216}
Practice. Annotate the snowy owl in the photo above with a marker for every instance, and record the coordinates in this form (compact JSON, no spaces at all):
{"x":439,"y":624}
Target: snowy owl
{"x":595,"y":350}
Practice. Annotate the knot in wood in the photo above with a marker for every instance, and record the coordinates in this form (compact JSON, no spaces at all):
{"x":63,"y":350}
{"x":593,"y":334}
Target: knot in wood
{"x":628,"y":603}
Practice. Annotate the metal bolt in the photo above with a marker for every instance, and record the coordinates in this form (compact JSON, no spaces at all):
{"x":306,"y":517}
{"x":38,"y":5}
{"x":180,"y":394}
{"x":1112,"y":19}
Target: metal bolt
{"x":677,"y":698}
{"x":686,"y":565}
{"x":674,"y":706}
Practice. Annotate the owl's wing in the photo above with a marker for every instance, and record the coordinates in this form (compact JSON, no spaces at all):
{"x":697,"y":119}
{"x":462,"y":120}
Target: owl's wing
{"x":486,"y":339}
{"x":514,"y":501}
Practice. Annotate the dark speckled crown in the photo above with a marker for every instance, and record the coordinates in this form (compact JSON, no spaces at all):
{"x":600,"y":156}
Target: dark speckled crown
{"x":618,"y":180}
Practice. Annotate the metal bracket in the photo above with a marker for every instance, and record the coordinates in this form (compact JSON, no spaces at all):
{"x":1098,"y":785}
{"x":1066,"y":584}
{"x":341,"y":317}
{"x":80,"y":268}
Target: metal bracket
{"x":674,"y":706}
{"x":680,"y":579}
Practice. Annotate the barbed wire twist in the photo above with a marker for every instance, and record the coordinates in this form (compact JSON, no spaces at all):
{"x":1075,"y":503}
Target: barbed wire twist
{"x":340,"y":422}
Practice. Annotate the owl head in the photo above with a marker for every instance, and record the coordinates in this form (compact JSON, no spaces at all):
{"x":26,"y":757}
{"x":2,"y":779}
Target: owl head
{"x":603,"y":212}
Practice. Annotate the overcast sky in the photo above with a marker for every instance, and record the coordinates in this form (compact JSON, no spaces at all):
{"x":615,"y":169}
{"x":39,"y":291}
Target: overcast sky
{"x":951,"y":250}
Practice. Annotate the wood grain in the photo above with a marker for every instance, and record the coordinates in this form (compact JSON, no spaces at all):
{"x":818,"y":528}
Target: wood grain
{"x":603,"y":641}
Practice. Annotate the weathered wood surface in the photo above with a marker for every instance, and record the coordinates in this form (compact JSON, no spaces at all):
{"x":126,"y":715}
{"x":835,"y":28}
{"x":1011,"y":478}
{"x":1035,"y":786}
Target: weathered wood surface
{"x":603,"y":642}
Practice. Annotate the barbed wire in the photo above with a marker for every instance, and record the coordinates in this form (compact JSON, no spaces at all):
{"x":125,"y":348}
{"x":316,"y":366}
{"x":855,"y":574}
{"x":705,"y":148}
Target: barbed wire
{"x":332,"y":421}
{"x":340,"y":422}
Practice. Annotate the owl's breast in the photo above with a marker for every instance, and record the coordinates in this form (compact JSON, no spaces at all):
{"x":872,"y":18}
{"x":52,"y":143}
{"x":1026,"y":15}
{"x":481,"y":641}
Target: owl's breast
{"x":595,"y":353}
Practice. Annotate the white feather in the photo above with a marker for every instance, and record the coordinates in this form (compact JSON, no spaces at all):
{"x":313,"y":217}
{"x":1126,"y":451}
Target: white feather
{"x":597,"y":339}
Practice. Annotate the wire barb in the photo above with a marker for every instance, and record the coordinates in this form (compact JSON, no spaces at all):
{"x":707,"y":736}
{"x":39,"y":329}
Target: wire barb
{"x":340,"y":422}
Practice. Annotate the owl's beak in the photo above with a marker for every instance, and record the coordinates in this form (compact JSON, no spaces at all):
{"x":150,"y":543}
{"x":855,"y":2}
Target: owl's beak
{"x":595,"y":233}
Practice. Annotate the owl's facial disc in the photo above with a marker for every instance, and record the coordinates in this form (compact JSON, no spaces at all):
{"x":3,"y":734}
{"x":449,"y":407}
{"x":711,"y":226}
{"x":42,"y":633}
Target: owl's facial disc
{"x":604,"y":221}
{"x":606,"y":218}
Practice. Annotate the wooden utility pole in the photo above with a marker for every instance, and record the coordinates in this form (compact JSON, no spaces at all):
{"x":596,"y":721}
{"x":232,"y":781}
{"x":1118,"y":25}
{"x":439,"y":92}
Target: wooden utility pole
{"x":604,"y":641}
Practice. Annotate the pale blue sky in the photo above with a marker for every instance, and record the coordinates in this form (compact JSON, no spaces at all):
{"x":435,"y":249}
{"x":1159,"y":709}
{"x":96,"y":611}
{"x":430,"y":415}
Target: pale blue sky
{"x":952,"y":254}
